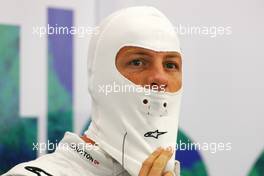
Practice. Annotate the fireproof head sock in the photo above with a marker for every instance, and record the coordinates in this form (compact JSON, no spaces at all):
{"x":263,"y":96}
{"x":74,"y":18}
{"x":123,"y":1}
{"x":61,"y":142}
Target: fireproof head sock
{"x":130,"y":125}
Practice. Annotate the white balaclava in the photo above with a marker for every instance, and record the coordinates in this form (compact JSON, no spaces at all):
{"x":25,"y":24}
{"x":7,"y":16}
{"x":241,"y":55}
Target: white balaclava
{"x":130,"y":125}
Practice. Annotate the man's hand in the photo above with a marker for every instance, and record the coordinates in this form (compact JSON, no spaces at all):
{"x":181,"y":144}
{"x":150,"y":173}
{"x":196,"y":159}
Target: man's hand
{"x":154,"y":165}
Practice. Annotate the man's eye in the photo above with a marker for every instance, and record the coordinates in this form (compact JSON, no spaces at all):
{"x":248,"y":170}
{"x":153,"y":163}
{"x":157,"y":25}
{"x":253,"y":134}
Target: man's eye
{"x":136,"y":62}
{"x":171,"y":66}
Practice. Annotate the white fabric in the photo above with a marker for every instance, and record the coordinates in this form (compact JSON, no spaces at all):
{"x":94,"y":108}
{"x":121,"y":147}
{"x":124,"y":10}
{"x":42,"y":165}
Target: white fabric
{"x":122,"y":124}
{"x":77,"y":161}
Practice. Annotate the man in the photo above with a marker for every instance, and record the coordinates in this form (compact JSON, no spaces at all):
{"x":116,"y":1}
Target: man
{"x":135,"y":82}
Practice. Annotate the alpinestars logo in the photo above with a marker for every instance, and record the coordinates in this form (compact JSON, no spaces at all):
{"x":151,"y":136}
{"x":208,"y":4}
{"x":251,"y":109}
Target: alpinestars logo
{"x":85,"y":154}
{"x":154,"y":134}
{"x":37,"y":171}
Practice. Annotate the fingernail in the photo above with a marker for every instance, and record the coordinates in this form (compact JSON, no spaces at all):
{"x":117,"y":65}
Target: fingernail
{"x":170,"y":149}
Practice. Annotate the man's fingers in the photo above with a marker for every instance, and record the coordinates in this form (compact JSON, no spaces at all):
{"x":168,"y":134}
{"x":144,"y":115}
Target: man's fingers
{"x":169,"y":173}
{"x":161,"y":162}
{"x":147,"y":164}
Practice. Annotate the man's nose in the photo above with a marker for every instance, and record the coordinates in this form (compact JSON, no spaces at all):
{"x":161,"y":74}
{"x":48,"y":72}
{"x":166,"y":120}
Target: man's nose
{"x":157,"y":79}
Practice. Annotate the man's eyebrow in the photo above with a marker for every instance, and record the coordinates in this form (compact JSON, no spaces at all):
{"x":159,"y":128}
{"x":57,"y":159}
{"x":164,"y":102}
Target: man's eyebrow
{"x":172,"y":55}
{"x":139,"y":53}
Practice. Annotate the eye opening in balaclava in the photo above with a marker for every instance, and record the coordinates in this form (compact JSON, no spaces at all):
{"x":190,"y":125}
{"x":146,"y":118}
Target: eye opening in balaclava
{"x":142,"y":75}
